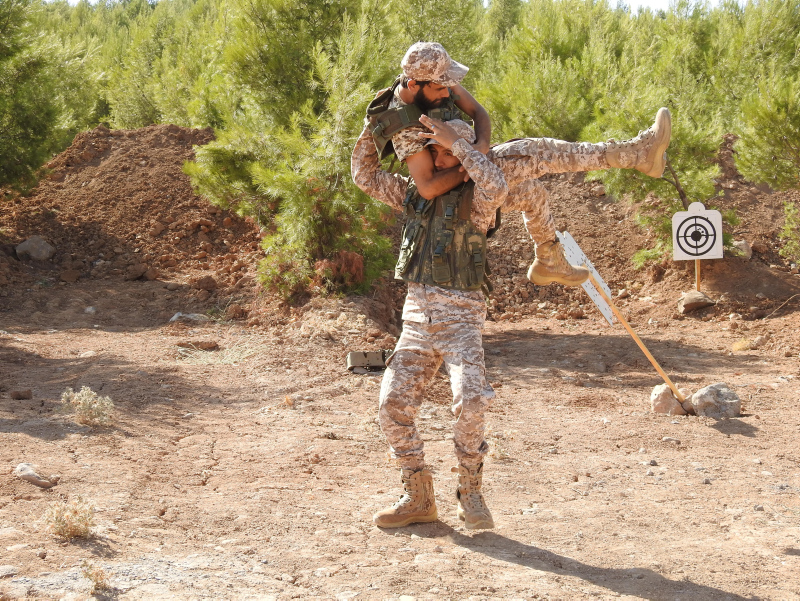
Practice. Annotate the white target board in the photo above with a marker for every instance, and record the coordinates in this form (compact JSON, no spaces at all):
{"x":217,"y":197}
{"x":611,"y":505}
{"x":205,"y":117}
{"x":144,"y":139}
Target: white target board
{"x":696,"y":234}
{"x":576,"y":256}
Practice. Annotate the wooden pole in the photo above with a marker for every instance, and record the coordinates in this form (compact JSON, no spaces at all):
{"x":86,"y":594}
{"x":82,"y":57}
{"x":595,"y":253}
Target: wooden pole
{"x":638,"y":341}
{"x":697,"y":274}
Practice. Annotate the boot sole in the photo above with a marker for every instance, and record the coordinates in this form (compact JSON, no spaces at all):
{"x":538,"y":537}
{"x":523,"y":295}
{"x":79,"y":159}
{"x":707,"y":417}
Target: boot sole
{"x":409,"y":520}
{"x":665,"y":131}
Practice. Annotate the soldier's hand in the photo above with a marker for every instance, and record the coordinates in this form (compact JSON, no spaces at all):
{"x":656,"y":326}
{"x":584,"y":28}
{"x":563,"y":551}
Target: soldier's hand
{"x":441,"y":132}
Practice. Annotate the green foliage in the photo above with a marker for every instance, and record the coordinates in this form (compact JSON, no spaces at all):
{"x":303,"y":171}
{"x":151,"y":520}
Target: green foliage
{"x":28,"y":112}
{"x":790,"y":233}
{"x":769,"y":148}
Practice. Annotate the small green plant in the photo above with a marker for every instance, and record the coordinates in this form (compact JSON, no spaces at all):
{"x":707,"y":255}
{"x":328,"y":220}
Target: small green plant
{"x":97,"y":576}
{"x":90,"y":408}
{"x":73,"y":519}
{"x":790,"y":234}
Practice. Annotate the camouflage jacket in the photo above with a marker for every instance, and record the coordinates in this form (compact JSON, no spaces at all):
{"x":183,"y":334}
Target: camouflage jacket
{"x":432,"y":304}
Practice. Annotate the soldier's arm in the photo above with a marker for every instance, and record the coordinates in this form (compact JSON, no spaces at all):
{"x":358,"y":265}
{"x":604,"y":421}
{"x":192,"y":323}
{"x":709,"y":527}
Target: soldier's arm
{"x":483,"y":126}
{"x":365,"y":167}
{"x":431,"y":183}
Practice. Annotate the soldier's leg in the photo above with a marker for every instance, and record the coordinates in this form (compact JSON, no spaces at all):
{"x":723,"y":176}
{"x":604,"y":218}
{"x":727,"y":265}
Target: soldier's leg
{"x":530,"y":197}
{"x":410,"y":367}
{"x":463,"y":358}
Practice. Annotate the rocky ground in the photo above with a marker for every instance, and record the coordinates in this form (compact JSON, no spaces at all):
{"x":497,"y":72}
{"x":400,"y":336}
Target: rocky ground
{"x":250,"y":471}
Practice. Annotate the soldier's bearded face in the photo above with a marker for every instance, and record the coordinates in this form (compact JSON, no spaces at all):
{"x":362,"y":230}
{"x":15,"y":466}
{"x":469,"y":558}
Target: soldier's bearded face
{"x":443,"y":158}
{"x":431,"y":96}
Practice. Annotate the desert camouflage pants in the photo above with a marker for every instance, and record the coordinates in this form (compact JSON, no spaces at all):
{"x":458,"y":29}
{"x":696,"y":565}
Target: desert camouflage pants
{"x":524,"y":161}
{"x":420,"y":351}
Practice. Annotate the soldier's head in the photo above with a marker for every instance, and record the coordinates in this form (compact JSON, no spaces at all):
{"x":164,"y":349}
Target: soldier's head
{"x":428,"y":73}
{"x":443,"y":158}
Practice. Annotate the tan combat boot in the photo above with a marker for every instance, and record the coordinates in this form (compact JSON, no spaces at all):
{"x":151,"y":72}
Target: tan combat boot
{"x":417,"y":504}
{"x":647,"y":151}
{"x":551,"y":266}
{"x":471,"y":506}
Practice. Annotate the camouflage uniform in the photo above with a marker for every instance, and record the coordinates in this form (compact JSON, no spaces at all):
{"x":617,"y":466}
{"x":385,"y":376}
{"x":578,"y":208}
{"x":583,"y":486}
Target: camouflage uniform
{"x":522,"y":163}
{"x":440,"y":325}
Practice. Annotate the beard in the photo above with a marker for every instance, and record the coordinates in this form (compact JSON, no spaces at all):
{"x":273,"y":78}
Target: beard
{"x":424,"y":104}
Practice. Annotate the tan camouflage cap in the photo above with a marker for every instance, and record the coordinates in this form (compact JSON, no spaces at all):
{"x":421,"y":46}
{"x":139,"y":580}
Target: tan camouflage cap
{"x":462,"y":128}
{"x":429,"y":61}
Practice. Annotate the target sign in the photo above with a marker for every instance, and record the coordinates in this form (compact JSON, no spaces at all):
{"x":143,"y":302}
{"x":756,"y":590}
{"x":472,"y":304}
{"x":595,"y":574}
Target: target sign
{"x":696,"y":234}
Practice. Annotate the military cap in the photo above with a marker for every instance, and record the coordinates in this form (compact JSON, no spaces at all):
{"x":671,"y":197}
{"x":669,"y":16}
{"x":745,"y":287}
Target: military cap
{"x":429,"y":61}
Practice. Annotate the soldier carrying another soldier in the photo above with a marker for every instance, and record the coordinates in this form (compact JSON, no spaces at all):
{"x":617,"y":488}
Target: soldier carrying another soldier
{"x":443,"y":260}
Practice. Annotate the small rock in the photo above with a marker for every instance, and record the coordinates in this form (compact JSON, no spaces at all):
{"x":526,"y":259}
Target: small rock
{"x":623,"y":294}
{"x":41,"y":553}
{"x":90,"y":310}
{"x":35,"y":247}
{"x":693,"y":300}
{"x":135,"y":271}
{"x":189,"y":317}
{"x":25,"y":471}
{"x":716,"y":401}
{"x":8,"y":571}
{"x":157,"y":229}
{"x":22,"y":395}
{"x":288,"y":578}
{"x":663,"y":401}
{"x":598,"y":190}
{"x":151,"y":274}
{"x":203,"y":345}
{"x":235,"y":311}
{"x":759,"y":341}
{"x":670,"y":439}
{"x":758,"y":508}
{"x":745,"y":251}
{"x":757,"y":461}
{"x":706,"y":480}
{"x":205,"y":283}
{"x":653,"y":462}
{"x":649,"y":473}
{"x":87,"y":354}
{"x":173,"y":286}
{"x":70,"y":276}
{"x":227,"y":222}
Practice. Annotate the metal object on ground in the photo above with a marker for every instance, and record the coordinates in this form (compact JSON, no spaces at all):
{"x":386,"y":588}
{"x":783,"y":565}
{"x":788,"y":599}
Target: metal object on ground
{"x":369,"y":360}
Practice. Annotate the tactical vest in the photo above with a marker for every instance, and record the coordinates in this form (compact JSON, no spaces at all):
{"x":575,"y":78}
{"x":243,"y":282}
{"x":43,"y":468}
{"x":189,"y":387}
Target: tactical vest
{"x":384,"y":122}
{"x":440,"y":246}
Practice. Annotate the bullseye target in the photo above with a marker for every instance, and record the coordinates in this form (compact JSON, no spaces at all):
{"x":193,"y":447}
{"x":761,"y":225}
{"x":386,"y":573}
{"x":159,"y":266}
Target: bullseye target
{"x":697,"y":234}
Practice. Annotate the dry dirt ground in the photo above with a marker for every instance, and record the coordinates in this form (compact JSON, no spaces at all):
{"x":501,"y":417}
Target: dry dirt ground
{"x":252,"y":471}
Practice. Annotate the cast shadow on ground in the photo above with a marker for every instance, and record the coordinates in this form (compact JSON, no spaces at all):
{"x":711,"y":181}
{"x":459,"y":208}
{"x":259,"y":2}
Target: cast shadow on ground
{"x":639,"y":582}
{"x":134,"y":389}
{"x":735,"y":426}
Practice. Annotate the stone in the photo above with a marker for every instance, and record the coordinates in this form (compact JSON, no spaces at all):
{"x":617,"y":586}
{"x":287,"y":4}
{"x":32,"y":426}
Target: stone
{"x":90,"y":310}
{"x":663,"y":401}
{"x":235,"y":311}
{"x":135,"y":271}
{"x":151,"y":274}
{"x":671,"y":439}
{"x":87,"y":354}
{"x":189,"y":317}
{"x":41,"y":553}
{"x":693,"y":300}
{"x":36,"y":248}
{"x":21,"y":395}
{"x":172,"y":286}
{"x":70,"y":276}
{"x":716,"y":401}
{"x":25,"y":471}
{"x":758,"y":508}
{"x":8,"y":571}
{"x":598,"y":190}
{"x":205,"y":283}
{"x":759,"y":341}
{"x":157,"y":229}
{"x":227,"y":222}
{"x":744,"y":249}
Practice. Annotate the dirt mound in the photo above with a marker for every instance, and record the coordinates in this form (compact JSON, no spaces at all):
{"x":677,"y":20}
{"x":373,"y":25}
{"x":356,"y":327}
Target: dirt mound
{"x":116,"y":205}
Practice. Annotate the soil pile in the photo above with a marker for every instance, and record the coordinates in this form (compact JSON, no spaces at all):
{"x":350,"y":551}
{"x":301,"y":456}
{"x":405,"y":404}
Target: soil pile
{"x":116,"y":205}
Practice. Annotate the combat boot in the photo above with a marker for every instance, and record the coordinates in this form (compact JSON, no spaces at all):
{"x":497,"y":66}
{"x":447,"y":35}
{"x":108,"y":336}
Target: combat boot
{"x":647,"y":151}
{"x":418,"y":503}
{"x":471,"y":506}
{"x":551,"y":266}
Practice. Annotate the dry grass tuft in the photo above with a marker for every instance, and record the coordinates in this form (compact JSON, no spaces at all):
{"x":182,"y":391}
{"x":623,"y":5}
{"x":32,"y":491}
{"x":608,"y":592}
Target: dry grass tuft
{"x":97,"y":576}
{"x":73,"y":519}
{"x":232,"y":355}
{"x":90,"y":408}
